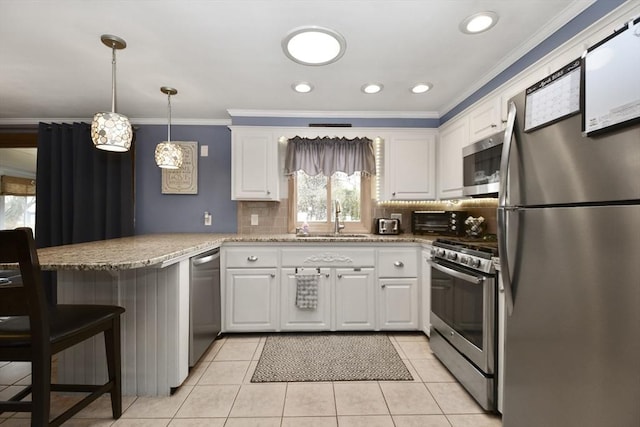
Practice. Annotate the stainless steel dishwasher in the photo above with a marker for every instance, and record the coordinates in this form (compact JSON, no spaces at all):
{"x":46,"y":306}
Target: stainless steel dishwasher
{"x":204,"y":313}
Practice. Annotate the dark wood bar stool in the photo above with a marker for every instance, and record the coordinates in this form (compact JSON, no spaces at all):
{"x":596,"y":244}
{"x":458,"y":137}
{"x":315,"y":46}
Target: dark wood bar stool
{"x":35,"y":330}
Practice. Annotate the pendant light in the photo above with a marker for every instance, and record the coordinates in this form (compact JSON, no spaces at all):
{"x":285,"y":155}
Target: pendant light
{"x":168,"y":155}
{"x":111,"y":131}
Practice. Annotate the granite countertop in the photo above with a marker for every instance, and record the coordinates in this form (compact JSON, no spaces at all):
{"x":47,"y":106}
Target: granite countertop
{"x":147,"y":250}
{"x":126,"y":252}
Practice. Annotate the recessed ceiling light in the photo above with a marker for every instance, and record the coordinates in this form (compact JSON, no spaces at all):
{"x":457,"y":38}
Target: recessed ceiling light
{"x":479,"y":22}
{"x":372,"y":88}
{"x":421,"y":87}
{"x":313,"y":45}
{"x":302,"y":87}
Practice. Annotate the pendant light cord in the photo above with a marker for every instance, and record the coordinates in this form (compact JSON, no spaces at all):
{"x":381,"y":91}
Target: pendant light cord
{"x":113,"y":78}
{"x":169,"y":123}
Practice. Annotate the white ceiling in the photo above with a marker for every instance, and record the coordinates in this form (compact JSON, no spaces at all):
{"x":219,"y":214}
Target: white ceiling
{"x":227,"y":54}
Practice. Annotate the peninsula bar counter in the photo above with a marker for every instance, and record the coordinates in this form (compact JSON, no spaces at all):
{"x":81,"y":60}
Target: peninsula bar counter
{"x":148,"y":275}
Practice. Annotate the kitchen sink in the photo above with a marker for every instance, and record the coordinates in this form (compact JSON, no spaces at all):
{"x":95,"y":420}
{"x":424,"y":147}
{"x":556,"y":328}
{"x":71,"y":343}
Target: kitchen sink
{"x":332,"y":235}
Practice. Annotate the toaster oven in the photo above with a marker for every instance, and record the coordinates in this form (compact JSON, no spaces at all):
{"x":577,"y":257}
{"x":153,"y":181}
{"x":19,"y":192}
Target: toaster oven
{"x":444,"y":223}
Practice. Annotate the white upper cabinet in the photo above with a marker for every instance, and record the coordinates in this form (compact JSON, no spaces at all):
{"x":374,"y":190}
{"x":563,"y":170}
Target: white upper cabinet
{"x":484,"y":120}
{"x":409,"y":165}
{"x":453,"y":136}
{"x":254,"y":160}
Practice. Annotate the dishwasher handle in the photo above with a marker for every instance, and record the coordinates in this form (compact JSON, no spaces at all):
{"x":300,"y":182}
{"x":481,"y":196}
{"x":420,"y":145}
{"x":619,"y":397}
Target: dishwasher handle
{"x":206,"y":258}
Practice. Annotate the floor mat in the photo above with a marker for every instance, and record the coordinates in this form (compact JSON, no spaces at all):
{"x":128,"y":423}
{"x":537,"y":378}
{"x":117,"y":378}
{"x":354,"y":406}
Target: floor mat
{"x":329,"y":357}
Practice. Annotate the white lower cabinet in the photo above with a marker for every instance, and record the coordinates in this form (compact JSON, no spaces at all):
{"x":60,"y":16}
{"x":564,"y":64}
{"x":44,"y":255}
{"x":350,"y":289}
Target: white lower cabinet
{"x":305,"y":319}
{"x":398,"y":305}
{"x":251,"y":299}
{"x":355,"y":299}
{"x":398,"y":302}
{"x":360,"y":288}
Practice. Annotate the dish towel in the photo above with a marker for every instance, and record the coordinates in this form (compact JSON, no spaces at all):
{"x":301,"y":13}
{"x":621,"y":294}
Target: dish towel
{"x":307,"y":289}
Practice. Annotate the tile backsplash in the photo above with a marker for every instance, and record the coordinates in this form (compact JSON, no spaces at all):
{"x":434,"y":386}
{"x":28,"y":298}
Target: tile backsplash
{"x":273,"y":216}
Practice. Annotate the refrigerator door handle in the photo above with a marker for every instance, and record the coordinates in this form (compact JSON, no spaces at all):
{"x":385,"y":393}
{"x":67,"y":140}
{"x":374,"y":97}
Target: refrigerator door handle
{"x":503,"y":206}
{"x":506,"y":154}
{"x":505,"y":272}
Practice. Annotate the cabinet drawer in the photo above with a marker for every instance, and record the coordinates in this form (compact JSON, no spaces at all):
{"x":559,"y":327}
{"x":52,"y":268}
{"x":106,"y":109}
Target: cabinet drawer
{"x":328,"y":256}
{"x":397,"y":262}
{"x":251,"y":257}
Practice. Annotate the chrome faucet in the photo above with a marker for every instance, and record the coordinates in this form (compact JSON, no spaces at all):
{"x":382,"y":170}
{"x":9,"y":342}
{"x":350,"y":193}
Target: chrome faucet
{"x":337,"y":226}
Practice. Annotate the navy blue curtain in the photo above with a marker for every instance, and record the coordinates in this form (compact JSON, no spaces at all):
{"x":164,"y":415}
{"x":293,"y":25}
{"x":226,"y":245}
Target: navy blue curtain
{"x":82,"y":193}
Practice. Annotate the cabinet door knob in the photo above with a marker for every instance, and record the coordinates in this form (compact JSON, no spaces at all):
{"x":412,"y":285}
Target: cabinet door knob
{"x":268,"y":192}
{"x":398,"y":264}
{"x":326,"y":275}
{"x":252,"y":258}
{"x":383,"y":286}
{"x":393,"y":194}
{"x":339,"y":276}
{"x":272,"y":275}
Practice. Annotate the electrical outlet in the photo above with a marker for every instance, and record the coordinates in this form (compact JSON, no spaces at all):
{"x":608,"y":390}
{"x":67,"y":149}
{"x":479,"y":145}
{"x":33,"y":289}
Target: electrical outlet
{"x":254,"y":219}
{"x":207,"y":218}
{"x":397,"y":216}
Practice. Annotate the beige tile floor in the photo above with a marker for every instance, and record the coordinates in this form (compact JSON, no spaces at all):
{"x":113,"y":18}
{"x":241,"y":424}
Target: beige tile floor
{"x":219,"y":392}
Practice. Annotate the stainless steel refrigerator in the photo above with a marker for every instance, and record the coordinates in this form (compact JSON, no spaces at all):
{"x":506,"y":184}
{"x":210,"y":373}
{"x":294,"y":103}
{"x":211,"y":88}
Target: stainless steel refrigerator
{"x":569,"y":230}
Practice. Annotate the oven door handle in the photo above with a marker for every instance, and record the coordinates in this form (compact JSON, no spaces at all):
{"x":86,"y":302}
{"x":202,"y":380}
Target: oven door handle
{"x":460,"y":275}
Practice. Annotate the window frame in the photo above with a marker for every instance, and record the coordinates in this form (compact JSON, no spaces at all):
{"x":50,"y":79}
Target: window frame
{"x":366,"y":204}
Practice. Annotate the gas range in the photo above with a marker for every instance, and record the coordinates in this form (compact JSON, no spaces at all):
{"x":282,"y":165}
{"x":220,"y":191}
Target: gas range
{"x":475,"y":255}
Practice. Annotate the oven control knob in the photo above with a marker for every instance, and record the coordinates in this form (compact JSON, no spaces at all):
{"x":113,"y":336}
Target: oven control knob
{"x":452,"y":256}
{"x":464,"y":260}
{"x":475,"y":263}
{"x":440,"y":252}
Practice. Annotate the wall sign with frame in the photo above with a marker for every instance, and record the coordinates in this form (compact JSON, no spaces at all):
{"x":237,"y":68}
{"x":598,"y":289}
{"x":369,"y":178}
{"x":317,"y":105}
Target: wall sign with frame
{"x":185,"y":179}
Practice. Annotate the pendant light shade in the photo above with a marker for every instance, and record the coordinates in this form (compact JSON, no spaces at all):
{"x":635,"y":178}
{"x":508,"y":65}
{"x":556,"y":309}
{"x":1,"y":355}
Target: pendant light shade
{"x":111,"y":131}
{"x":168,"y":155}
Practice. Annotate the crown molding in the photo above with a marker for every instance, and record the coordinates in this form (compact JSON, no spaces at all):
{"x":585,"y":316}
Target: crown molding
{"x":134,"y":121}
{"x":189,"y":122}
{"x":335,"y":114}
{"x":36,"y":120}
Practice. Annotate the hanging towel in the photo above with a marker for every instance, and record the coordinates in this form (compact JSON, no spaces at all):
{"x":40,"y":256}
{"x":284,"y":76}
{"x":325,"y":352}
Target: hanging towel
{"x":307,"y":289}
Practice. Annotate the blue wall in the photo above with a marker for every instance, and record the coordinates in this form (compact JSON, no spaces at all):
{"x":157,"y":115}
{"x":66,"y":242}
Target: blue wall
{"x":173,"y":213}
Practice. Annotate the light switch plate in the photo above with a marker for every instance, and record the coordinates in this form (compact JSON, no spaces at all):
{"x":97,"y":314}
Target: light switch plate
{"x":254,"y":219}
{"x":204,"y":151}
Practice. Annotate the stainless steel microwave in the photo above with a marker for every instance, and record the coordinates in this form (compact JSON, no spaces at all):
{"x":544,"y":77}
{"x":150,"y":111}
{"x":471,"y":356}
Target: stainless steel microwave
{"x":443,"y":223}
{"x":481,"y":166}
